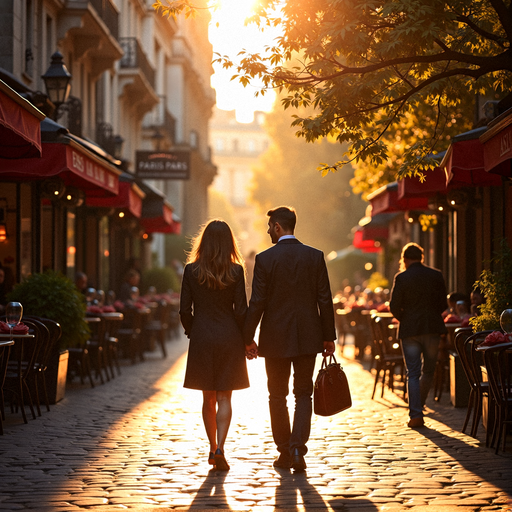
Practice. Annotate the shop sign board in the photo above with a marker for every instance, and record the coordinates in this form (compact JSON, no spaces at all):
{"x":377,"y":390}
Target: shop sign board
{"x":163,"y":165}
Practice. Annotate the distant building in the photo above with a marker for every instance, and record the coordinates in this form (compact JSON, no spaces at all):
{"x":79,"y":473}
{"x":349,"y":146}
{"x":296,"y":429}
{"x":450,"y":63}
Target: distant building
{"x":236,"y":148}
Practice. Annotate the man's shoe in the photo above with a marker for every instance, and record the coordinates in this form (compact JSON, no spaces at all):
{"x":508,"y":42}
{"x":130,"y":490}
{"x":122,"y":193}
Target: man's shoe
{"x":298,"y":462}
{"x":283,"y":461}
{"x":416,"y":422}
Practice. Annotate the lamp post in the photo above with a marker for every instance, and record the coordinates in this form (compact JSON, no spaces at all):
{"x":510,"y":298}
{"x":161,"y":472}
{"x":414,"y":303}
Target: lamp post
{"x":57,"y":80}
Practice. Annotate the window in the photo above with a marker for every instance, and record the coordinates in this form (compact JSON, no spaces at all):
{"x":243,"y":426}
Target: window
{"x":219,"y":144}
{"x":29,"y":41}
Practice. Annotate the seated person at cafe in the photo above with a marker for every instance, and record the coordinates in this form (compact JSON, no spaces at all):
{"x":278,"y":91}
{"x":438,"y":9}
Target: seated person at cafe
{"x":131,"y":280}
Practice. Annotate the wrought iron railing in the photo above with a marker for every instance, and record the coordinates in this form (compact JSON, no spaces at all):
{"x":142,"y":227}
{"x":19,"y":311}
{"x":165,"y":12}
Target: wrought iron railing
{"x":134,"y":57}
{"x":108,"y":13}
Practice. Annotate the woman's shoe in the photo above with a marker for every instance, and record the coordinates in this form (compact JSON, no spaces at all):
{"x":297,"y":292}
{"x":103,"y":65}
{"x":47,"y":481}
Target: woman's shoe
{"x":220,"y":461}
{"x":211,"y":459}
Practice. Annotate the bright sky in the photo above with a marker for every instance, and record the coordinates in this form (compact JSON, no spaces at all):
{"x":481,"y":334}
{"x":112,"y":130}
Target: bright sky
{"x":229,"y":38}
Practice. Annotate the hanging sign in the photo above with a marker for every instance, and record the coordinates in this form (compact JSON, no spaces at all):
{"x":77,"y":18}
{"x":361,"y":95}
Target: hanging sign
{"x":163,"y":165}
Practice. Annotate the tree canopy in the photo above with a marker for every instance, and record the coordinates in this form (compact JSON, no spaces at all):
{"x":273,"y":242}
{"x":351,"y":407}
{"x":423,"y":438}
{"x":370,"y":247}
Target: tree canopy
{"x":366,"y":65}
{"x":326,"y":211}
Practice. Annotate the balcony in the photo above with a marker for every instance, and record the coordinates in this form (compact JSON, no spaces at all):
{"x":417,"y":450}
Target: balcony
{"x":136,"y":78}
{"x":90,"y":30}
{"x":162,"y":121}
{"x":135,"y":58}
{"x":108,"y":13}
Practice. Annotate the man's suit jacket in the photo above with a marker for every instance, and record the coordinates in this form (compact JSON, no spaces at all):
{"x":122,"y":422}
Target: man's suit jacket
{"x":291,"y":290}
{"x":418,"y":299}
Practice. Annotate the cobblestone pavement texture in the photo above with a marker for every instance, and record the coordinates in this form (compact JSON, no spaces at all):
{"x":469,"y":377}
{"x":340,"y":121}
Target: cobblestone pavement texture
{"x":138,"y":443}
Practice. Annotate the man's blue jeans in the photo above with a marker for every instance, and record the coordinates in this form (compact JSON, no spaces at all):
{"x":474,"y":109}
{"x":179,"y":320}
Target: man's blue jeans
{"x":420,"y":354}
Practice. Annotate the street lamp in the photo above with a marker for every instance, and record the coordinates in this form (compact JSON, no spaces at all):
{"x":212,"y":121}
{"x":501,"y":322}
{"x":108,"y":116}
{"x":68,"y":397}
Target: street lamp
{"x":118,"y":146}
{"x":57,"y":80}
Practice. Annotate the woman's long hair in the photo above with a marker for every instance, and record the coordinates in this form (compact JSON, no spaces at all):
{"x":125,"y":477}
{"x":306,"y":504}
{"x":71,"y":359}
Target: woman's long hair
{"x":215,"y":252}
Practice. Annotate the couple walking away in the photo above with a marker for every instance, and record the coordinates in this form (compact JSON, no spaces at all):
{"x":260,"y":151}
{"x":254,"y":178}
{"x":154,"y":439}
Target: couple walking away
{"x":291,"y":296}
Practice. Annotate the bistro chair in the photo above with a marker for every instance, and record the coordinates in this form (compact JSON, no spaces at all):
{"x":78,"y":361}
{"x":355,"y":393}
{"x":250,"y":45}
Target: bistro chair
{"x":79,"y":363}
{"x":41,"y":365}
{"x":112,"y":322}
{"x":387,"y":357}
{"x":477,"y":383}
{"x":21,"y":368}
{"x":5,"y":350}
{"x":96,"y":348}
{"x":130,"y":333}
{"x":498,"y":362}
{"x":158,"y":325}
{"x":461,"y":336}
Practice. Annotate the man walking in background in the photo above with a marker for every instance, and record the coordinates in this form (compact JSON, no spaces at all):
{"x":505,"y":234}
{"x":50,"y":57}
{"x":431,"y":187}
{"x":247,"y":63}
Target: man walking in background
{"x":418,"y":299}
{"x":292,"y":297}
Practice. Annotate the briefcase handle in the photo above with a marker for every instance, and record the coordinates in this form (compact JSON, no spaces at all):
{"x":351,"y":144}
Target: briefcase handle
{"x":332,"y":360}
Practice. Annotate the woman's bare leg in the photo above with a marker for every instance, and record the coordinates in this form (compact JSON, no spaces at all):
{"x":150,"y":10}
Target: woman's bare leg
{"x":209,"y":417}
{"x":223,"y":416}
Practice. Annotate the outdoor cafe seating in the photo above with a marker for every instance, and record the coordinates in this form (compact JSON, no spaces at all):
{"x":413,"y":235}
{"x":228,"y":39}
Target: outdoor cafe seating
{"x":388,"y":356}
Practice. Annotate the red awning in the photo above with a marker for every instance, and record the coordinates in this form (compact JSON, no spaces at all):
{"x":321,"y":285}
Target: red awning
{"x":385,"y":200}
{"x":435,"y":182}
{"x":20,"y":131}
{"x":360,"y":242}
{"x":72,"y":162}
{"x":129,"y":198}
{"x":463,"y":163}
{"x":497,"y":144}
{"x":163,"y":222}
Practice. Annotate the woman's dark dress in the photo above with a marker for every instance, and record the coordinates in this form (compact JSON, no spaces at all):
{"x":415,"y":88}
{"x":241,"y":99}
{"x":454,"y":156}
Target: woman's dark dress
{"x":213,"y":320}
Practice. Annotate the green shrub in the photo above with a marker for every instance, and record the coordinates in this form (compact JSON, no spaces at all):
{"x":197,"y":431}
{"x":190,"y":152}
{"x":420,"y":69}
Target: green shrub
{"x":496,"y":287}
{"x":54,"y":296}
{"x":162,"y":278}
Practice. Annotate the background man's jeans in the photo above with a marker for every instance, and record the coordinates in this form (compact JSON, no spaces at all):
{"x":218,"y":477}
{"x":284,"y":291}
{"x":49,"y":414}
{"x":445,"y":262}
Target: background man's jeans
{"x":278,"y":374}
{"x":420,"y":370}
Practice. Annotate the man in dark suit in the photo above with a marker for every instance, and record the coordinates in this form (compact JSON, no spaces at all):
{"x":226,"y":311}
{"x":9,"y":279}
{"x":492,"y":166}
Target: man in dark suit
{"x":418,"y":299}
{"x":292,"y":297}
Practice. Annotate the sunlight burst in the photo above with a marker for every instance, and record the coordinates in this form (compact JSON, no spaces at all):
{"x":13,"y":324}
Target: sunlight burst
{"x":229,"y":35}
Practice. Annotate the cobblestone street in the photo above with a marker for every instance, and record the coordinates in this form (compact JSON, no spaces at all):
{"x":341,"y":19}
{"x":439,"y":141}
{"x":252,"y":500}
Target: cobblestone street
{"x":138,"y":442}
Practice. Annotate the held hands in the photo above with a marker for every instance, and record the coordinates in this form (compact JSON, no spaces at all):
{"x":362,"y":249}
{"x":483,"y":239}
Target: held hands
{"x":251,"y":351}
{"x":329,"y":348}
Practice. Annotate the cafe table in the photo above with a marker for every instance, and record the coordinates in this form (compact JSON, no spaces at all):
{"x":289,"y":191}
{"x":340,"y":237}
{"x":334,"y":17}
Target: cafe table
{"x":7,"y":340}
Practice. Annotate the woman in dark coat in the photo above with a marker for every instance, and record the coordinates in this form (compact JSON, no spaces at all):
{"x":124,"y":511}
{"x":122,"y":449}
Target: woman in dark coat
{"x":212,"y":311}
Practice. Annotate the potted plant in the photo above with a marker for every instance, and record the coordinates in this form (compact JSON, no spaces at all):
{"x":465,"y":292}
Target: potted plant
{"x":54,"y":296}
{"x":496,"y":287}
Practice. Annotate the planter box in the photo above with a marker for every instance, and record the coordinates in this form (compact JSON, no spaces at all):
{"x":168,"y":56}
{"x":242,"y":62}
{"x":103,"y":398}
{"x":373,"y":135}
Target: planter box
{"x":56,"y":376}
{"x":459,"y":385}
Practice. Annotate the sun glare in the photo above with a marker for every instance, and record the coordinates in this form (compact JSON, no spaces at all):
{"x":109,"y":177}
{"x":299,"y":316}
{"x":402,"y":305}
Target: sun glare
{"x":229,"y":35}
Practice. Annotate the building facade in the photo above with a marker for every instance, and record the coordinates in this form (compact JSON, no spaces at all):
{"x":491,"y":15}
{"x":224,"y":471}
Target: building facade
{"x":236,"y":148}
{"x":140,"y":82}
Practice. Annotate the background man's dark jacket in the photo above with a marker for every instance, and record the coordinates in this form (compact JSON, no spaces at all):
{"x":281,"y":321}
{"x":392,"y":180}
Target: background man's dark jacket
{"x":418,"y":299}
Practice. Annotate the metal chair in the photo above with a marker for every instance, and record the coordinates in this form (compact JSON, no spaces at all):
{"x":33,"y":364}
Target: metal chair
{"x":498,"y":362}
{"x":387,"y":358}
{"x":41,"y":364}
{"x":478,"y":385}
{"x":21,"y":367}
{"x":461,"y":335}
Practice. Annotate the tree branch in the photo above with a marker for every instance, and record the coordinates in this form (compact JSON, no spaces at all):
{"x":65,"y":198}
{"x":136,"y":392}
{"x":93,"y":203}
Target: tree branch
{"x":504,"y":15}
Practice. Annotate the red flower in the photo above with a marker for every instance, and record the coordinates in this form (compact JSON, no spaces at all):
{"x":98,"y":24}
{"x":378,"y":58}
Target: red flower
{"x":494,"y":338}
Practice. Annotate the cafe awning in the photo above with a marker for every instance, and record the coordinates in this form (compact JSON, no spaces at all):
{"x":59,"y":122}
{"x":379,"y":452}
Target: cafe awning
{"x":497,"y":145}
{"x":157,"y":214}
{"x":376,"y":227}
{"x":75,"y":163}
{"x":385,"y":200}
{"x":463,"y":162}
{"x":129,"y":199}
{"x":20,"y":132}
{"x":434,"y":182}
{"x":366,"y":245}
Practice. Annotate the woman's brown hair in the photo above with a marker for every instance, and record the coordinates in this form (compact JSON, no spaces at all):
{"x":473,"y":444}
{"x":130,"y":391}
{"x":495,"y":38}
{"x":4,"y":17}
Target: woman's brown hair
{"x":215,"y":253}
